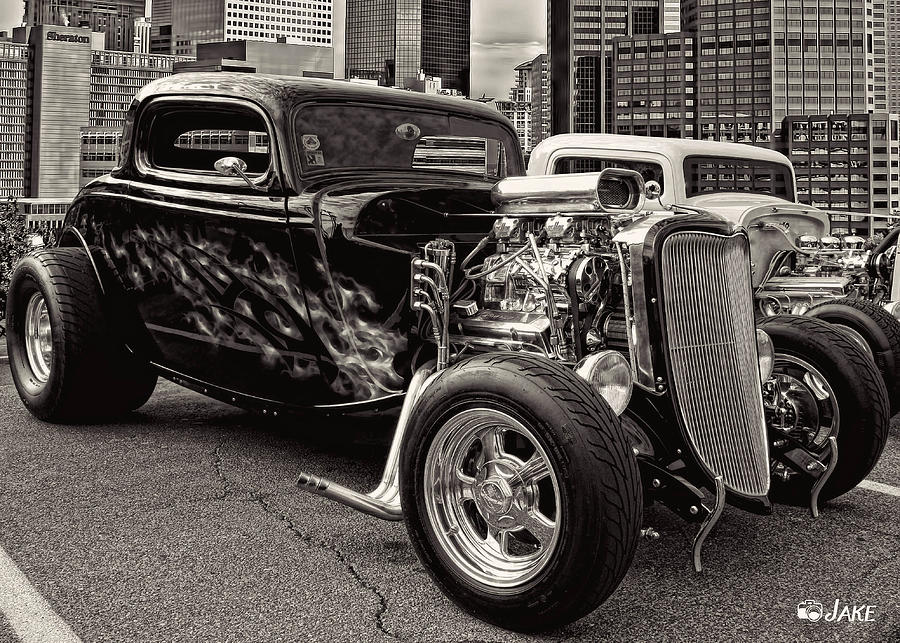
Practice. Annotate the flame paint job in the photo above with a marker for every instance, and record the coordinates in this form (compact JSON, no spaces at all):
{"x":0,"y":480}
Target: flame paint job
{"x":295,"y":295}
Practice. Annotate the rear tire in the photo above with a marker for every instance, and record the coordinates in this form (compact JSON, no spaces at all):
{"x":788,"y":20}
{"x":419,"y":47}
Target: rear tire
{"x":66,"y":362}
{"x":878,"y":329}
{"x":858,"y":392}
{"x":590,"y":474}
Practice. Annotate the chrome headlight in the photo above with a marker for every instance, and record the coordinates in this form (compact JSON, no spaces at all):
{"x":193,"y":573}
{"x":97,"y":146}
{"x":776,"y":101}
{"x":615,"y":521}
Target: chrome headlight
{"x":765,"y":352}
{"x":609,"y":374}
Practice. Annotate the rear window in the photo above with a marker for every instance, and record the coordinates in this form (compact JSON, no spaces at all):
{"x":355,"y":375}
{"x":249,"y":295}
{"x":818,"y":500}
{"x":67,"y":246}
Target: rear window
{"x":574,"y":165}
{"x":714,"y":174}
{"x":192,"y":140}
{"x":330,"y":136}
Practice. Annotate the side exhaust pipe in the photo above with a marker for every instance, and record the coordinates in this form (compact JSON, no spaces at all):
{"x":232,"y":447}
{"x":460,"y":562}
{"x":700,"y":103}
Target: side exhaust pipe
{"x":383,"y":501}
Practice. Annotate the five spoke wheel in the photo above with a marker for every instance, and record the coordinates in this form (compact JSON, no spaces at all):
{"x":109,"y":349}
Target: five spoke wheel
{"x":493,"y":497}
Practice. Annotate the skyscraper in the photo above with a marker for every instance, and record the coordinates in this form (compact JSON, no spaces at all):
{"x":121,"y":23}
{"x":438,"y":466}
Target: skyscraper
{"x":180,"y":25}
{"x":392,"y":40}
{"x":592,"y":26}
{"x":115,"y":18}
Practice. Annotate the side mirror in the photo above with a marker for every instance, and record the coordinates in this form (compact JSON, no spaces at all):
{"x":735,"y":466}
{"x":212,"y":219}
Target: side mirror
{"x":232,"y":166}
{"x":652,"y":190}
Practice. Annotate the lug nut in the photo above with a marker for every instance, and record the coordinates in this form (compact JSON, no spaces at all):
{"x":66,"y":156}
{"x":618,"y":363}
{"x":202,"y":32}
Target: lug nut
{"x":694,"y":510}
{"x":656,"y":484}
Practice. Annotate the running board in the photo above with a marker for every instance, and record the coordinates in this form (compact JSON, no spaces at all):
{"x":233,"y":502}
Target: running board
{"x":384,"y":501}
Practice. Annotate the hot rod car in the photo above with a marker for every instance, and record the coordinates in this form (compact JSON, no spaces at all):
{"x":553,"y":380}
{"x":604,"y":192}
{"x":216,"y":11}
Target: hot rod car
{"x":797,"y":265}
{"x":560,"y":357}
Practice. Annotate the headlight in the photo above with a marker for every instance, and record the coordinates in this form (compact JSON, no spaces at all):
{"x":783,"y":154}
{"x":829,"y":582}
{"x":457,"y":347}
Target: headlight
{"x":609,"y":374}
{"x":765,"y":351}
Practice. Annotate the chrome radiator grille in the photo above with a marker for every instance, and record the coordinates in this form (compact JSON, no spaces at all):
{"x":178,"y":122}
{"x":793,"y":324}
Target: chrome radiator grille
{"x":708,"y":311}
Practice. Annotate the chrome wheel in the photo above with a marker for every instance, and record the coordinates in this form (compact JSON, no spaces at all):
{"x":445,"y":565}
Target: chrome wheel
{"x":800,"y":403}
{"x":38,"y":338}
{"x":492,"y":499}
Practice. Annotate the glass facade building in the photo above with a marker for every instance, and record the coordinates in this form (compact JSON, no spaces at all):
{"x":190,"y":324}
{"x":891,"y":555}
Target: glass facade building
{"x":180,"y":25}
{"x":392,"y":40}
{"x":654,"y":79}
{"x":115,"y":18}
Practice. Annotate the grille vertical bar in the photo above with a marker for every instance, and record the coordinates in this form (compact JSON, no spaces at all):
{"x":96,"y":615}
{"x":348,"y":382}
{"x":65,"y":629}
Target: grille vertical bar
{"x":708,"y":311}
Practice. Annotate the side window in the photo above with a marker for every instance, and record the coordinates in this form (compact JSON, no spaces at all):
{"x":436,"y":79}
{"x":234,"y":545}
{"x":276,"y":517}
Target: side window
{"x":192,"y":139}
{"x":572,"y":165}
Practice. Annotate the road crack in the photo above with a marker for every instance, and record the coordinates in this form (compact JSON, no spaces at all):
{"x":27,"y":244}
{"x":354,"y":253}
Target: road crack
{"x":266,"y":506}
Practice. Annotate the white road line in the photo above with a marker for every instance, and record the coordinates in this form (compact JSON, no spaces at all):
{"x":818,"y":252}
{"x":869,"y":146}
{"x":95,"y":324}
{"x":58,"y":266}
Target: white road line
{"x":880,"y":487}
{"x":29,"y":614}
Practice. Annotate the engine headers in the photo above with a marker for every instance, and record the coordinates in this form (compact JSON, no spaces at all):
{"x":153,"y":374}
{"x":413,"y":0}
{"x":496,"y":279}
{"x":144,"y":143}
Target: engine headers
{"x":430,"y":281}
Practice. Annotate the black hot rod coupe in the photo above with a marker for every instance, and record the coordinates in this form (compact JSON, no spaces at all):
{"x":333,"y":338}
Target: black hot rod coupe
{"x":561,"y":358}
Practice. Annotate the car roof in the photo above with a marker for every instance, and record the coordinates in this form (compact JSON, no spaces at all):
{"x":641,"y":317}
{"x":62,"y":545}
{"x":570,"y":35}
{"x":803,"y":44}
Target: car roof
{"x":278,"y":93}
{"x":674,"y":148}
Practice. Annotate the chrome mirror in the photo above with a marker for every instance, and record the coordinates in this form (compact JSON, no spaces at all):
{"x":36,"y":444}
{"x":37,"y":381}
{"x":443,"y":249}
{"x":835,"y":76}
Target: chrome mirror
{"x":232,"y":166}
{"x":652,"y":190}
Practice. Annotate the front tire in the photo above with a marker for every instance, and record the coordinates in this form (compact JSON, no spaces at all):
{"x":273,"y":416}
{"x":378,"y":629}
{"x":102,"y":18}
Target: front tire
{"x":824,"y":384}
{"x":65,"y":360}
{"x":521,"y":494}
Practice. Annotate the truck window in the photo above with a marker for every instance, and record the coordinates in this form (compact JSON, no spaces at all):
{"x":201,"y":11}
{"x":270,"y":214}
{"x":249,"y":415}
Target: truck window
{"x":574,"y":164}
{"x":721,"y":174}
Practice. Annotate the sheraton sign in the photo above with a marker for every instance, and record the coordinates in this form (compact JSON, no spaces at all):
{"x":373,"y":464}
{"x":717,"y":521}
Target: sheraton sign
{"x":68,"y":37}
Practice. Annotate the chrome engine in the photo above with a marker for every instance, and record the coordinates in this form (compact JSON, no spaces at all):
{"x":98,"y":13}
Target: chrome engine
{"x":547,"y":289}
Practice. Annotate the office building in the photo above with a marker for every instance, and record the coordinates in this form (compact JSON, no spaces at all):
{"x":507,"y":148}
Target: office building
{"x":262,"y":57}
{"x":654,"y":80}
{"x":587,"y":28}
{"x":519,"y":112}
{"x":63,"y":101}
{"x":845,"y":164}
{"x":528,"y":106}
{"x":191,"y":22}
{"x":114,"y":18}
{"x":892,"y":28}
{"x":13,"y":108}
{"x":161,"y":27}
{"x":142,"y":36}
{"x":115,"y":79}
{"x":392,"y":41}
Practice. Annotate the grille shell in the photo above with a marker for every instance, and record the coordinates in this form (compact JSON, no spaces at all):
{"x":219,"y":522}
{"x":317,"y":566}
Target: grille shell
{"x":708,"y":315}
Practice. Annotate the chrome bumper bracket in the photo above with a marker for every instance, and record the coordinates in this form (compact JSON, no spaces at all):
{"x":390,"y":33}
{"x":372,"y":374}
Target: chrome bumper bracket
{"x":708,"y":524}
{"x":829,"y":469}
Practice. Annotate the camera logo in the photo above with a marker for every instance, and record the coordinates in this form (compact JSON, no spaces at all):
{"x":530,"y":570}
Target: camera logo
{"x":810,"y":610}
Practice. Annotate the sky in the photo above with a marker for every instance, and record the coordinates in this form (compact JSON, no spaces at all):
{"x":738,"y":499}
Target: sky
{"x":505,"y":33}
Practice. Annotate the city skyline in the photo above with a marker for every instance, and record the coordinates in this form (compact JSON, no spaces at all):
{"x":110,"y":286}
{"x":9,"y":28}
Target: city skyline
{"x":505,"y":33}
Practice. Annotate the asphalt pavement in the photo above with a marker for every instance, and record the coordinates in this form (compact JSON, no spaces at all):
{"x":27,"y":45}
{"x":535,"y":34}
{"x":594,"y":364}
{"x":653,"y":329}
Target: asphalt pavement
{"x":181,"y":522}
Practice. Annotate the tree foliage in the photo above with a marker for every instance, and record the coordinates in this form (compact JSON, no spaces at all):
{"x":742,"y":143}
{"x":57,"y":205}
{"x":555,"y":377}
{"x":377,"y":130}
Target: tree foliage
{"x":13,"y":244}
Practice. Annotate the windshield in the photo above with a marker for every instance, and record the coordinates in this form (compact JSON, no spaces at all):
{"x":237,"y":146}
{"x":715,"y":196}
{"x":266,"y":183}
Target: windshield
{"x":374,"y":137}
{"x":722,"y":174}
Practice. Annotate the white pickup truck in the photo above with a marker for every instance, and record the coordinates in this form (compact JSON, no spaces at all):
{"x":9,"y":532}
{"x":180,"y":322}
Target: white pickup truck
{"x":798,"y":265}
